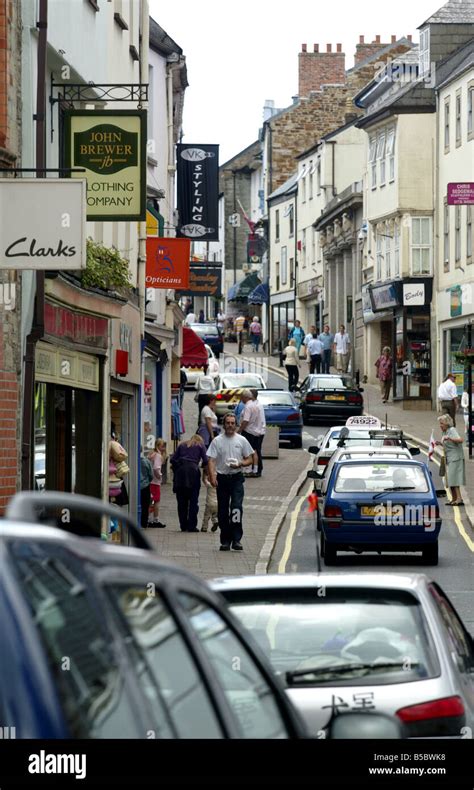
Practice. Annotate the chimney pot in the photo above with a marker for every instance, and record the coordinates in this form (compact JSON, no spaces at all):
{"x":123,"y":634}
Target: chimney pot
{"x":410,"y":38}
{"x":328,"y":47}
{"x":377,"y":39}
{"x":394,"y":38}
{"x":361,"y":39}
{"x":316,"y":47}
{"x":339,"y":47}
{"x":304,"y":47}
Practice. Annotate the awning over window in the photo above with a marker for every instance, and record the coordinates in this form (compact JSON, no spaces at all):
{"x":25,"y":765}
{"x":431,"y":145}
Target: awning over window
{"x":194,"y":351}
{"x":260,"y":294}
{"x":241,"y":290}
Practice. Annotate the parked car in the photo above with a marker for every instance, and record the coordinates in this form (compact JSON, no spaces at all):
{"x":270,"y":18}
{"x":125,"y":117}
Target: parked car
{"x":213,"y":369}
{"x":328,"y":395}
{"x":150,"y":647}
{"x":229,"y":389}
{"x":211,"y":335}
{"x":281,"y":409}
{"x":369,"y":642}
{"x":379,"y":505}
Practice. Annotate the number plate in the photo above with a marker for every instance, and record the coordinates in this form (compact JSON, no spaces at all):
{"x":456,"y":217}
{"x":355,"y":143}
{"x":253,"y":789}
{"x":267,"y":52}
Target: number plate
{"x":379,"y":510}
{"x":364,"y":420}
{"x":335,"y":397}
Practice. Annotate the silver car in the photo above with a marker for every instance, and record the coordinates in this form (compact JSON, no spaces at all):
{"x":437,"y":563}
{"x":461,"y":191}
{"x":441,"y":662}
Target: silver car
{"x":385,"y":643}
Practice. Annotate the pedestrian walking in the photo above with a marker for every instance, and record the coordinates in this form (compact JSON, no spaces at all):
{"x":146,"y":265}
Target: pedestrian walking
{"x":255,"y":333}
{"x":297,"y":334}
{"x":252,"y":427}
{"x":185,"y":463}
{"x":327,"y":339}
{"x":315,"y":353}
{"x":146,"y":478}
{"x":292,"y":364}
{"x":454,"y":456}
{"x":210,"y":510}
{"x":190,"y":318}
{"x":239,"y":325}
{"x":204,"y":387}
{"x":201,"y":319}
{"x":448,"y":396}
{"x":239,"y":408}
{"x":208,"y":423}
{"x":342,"y":344}
{"x":309,"y":336}
{"x":228,"y":454}
{"x":384,"y":373}
{"x":157,"y":458}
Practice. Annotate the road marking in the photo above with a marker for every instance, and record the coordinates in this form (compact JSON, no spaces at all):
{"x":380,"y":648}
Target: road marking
{"x":289,"y":538}
{"x":457,"y":516}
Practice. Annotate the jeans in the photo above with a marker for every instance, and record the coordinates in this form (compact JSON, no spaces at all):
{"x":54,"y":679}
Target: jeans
{"x":256,"y":341}
{"x":256,"y":443}
{"x":230,"y":497}
{"x":326,"y":360}
{"x":188,"y":508}
{"x":293,"y":376}
{"x":145,"y":500}
{"x":315,"y":364}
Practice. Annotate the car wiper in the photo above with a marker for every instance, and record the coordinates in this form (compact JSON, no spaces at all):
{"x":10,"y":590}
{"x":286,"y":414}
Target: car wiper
{"x":293,"y":677}
{"x":395,"y":488}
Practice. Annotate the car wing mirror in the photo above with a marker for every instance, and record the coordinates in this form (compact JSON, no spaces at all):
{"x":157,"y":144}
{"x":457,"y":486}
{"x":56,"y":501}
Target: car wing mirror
{"x":415,"y":451}
{"x":366,"y":725}
{"x":440,"y":492}
{"x":313,"y":475}
{"x":361,"y":389}
{"x":313,"y":449}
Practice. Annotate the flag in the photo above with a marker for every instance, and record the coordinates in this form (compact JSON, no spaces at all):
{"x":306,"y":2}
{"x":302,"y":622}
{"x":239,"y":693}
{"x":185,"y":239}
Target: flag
{"x":313,"y":503}
{"x":432,"y":446}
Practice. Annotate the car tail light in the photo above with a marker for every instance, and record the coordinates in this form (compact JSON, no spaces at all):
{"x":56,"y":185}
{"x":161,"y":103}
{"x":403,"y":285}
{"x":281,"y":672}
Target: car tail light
{"x":354,"y":398}
{"x":293,"y":418}
{"x":323,"y":461}
{"x":219,"y":396}
{"x":311,"y":398}
{"x":438,"y":717}
{"x":333,"y":512}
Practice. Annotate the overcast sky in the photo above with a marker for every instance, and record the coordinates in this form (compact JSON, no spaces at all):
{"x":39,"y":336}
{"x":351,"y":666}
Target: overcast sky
{"x":240,"y":54}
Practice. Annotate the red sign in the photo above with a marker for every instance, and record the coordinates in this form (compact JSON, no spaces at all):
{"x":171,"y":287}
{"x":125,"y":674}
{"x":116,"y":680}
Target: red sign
{"x":167,"y":262}
{"x":66,"y":324}
{"x":461,"y":194}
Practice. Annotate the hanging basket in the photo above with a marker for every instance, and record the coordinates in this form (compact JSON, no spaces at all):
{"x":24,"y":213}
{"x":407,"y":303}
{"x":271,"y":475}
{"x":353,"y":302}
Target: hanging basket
{"x":465,"y":356}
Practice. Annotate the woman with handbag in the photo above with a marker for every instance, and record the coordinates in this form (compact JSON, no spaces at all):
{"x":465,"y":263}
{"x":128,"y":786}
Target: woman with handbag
{"x":187,"y":480}
{"x":454,"y":455}
{"x":118,"y":468}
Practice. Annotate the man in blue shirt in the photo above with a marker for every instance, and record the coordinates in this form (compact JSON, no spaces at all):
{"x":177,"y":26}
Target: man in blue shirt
{"x":327,"y":339}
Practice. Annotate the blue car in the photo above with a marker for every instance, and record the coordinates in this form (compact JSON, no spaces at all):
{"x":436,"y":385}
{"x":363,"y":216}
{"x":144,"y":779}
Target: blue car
{"x":282,"y":409}
{"x":379,"y":505}
{"x":211,"y":335}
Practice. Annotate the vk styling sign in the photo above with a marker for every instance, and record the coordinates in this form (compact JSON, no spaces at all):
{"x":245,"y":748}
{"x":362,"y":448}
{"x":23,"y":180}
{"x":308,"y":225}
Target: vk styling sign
{"x":198,"y":192}
{"x":42,"y":224}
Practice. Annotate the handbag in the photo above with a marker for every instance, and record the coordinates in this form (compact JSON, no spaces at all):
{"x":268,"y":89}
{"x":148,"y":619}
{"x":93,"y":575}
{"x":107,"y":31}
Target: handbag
{"x":442,"y":466}
{"x":122,"y":469}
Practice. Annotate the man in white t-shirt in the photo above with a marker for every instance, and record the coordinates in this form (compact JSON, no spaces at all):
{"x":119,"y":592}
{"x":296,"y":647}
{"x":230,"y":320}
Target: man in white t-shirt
{"x":221,"y":320}
{"x":253,"y":426}
{"x":228,"y":454}
{"x":448,"y":396}
{"x":342,"y":345}
{"x":190,"y":319}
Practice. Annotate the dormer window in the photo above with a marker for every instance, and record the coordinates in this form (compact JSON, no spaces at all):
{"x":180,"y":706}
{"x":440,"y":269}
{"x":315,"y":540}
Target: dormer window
{"x":424,"y":69}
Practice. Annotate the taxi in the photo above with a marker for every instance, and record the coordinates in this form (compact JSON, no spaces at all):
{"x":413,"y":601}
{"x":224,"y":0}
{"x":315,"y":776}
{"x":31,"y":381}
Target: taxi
{"x":230,"y":388}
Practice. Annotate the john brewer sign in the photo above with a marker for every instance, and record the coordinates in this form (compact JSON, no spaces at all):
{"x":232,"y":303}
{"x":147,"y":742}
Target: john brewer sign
{"x":112,"y":149}
{"x":42,"y":224}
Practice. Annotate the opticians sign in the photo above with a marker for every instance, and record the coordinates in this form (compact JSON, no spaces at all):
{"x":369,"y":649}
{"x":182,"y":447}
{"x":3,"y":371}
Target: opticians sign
{"x":167,"y":263}
{"x":42,"y":224}
{"x":111,"y":147}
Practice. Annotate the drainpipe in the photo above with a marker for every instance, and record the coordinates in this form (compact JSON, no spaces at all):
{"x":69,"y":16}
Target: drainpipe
{"x":235,"y":230}
{"x":37,"y":329}
{"x":296,"y":250}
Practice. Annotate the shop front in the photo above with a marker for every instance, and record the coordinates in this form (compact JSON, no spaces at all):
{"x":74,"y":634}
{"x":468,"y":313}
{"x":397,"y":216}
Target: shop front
{"x":310,"y":294}
{"x":455,"y":312}
{"x":407,"y":330}
{"x":283,"y":318}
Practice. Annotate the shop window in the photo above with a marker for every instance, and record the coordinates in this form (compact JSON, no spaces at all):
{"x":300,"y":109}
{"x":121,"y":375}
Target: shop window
{"x":457,"y":236}
{"x":458,"y":118}
{"x":421,"y":249}
{"x":446,"y":235}
{"x":469,"y":233}
{"x":418,"y":355}
{"x":399,"y":355}
{"x":40,"y":437}
{"x":446,"y":125}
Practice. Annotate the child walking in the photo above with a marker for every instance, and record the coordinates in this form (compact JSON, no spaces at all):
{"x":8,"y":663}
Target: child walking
{"x":157,"y":458}
{"x":210,"y":511}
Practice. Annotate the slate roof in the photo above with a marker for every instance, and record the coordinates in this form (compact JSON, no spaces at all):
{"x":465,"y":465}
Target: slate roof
{"x":454,"y":12}
{"x":287,"y":188}
{"x":455,"y":64}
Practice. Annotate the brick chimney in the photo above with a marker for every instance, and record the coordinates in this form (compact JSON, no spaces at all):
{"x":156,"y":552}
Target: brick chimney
{"x":320,"y":68}
{"x":366,"y":50}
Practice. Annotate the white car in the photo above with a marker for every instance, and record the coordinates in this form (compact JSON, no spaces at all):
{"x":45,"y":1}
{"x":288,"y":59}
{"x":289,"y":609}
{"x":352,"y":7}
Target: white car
{"x":229,"y":389}
{"x":193,"y":374}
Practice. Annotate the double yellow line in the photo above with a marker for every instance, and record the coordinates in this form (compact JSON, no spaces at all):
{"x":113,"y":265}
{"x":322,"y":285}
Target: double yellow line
{"x":457,"y":517}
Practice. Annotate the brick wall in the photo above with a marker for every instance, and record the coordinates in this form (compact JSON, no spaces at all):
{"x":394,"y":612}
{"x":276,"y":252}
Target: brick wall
{"x":320,"y":68}
{"x":10,"y":357}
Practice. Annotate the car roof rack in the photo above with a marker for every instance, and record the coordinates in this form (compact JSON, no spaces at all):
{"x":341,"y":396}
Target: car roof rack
{"x":25,"y":505}
{"x":373,"y":433}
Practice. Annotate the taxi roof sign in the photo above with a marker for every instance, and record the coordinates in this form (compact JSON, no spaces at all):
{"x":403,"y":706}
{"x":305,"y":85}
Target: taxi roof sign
{"x":363,"y":421}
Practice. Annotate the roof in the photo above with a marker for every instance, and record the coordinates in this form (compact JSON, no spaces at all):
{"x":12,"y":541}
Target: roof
{"x":161,"y":41}
{"x":395,"y":581}
{"x":244,"y":151}
{"x":454,"y":12}
{"x":376,"y":55}
{"x":455,"y":64}
{"x":288,"y":188}
{"x":327,"y":136}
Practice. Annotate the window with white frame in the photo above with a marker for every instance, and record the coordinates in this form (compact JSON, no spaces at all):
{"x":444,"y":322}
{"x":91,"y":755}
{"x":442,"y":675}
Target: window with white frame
{"x":458,"y":118}
{"x":391,"y":153}
{"x":421,"y":245}
{"x":446,"y":124}
{"x":381,"y":157}
{"x":396,"y":249}
{"x":424,"y":57}
{"x":373,"y":161}
{"x":446,"y":249}
{"x":388,"y":252}
{"x":469,"y":234}
{"x":291,"y":216}
{"x":283,"y":265}
{"x":311,"y":181}
{"x":470,"y":110}
{"x":457,"y":235}
{"x":378,"y":237}
{"x":277,"y":225}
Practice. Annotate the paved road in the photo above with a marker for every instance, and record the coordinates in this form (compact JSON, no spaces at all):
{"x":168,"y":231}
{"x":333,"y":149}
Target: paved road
{"x":296,"y":548}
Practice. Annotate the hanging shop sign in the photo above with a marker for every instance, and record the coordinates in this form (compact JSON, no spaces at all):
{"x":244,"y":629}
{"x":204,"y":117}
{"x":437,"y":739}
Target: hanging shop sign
{"x":167,"y":263}
{"x":461,"y":194}
{"x":198,"y":191}
{"x":204,"y":280}
{"x":413,"y":294}
{"x":42,"y":224}
{"x":111,"y":147}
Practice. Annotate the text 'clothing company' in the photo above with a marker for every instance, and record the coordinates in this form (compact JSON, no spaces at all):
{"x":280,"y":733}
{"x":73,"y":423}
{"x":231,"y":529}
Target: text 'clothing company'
{"x":198,"y":191}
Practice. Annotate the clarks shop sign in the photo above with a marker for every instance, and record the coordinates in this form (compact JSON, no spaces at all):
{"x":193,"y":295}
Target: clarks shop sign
{"x":111,"y":147}
{"x":42,"y":223}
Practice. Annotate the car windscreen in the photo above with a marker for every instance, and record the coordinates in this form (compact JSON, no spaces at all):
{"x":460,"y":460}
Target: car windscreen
{"x":229,"y":382}
{"x":381,"y":476}
{"x":204,"y":329}
{"x":275,"y":399}
{"x":330,"y":383}
{"x":382,"y":633}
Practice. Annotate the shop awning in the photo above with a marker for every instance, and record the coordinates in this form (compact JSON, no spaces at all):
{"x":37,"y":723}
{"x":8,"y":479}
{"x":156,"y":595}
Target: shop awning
{"x":241,"y":290}
{"x":194,"y":351}
{"x":260,"y":294}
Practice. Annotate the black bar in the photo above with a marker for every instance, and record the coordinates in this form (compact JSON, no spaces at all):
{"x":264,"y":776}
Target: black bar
{"x":42,"y":169}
